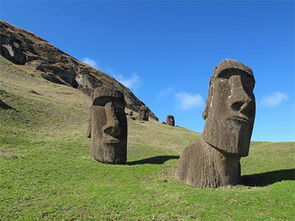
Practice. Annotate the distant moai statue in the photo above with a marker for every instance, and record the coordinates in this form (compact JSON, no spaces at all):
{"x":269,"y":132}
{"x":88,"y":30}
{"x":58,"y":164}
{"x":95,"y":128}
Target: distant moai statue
{"x":230,"y":111}
{"x":143,"y":113}
{"x":170,"y":120}
{"x":131,"y":113}
{"x":108,"y":125}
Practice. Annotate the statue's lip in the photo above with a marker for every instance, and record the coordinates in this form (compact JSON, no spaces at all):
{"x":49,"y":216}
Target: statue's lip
{"x":239,"y":118}
{"x":111,"y":141}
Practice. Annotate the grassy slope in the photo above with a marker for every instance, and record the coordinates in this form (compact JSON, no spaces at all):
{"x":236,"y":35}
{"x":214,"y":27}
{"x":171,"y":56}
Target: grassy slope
{"x":46,"y":173}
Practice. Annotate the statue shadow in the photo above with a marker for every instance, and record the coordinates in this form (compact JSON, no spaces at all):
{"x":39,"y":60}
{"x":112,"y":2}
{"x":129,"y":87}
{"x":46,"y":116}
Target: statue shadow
{"x":153,"y":160}
{"x":267,"y":178}
{"x":5,"y":106}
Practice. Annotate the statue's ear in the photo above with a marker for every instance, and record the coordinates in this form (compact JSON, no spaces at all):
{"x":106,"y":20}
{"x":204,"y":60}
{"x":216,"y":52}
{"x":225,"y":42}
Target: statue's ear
{"x":91,"y":95}
{"x":208,"y":100}
{"x":205,"y":112}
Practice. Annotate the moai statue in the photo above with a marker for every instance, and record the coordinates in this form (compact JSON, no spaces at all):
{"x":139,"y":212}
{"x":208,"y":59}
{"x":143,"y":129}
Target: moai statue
{"x":108,"y":126}
{"x":230,"y":111}
{"x":143,"y":113}
{"x":170,"y":120}
{"x":131,"y":113}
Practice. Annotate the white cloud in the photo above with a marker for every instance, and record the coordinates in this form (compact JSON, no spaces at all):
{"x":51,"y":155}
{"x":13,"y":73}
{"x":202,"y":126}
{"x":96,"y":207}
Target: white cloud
{"x":132,"y":83}
{"x":165,"y":92}
{"x":274,"y":99}
{"x":90,"y":62}
{"x":189,"y":101}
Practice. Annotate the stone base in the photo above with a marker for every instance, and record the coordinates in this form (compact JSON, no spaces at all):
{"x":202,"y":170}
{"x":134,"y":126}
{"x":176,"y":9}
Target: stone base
{"x":201,"y":165}
{"x":113,"y":154}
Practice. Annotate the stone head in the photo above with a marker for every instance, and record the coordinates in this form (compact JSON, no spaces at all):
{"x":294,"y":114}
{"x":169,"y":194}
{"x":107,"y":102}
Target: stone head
{"x":170,"y":120}
{"x":143,"y":113}
{"x":109,"y":126}
{"x":230,"y":108}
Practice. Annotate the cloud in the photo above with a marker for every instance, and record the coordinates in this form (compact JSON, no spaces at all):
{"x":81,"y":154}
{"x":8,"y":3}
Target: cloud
{"x":132,"y":83}
{"x":90,"y":62}
{"x":189,"y":101}
{"x":165,"y":92}
{"x":274,"y":99}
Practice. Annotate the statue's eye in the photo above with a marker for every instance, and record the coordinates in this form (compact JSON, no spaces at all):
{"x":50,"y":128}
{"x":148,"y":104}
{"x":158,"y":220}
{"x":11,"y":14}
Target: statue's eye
{"x":248,"y":82}
{"x":225,"y":74}
{"x":101,"y":101}
{"x":119,"y":104}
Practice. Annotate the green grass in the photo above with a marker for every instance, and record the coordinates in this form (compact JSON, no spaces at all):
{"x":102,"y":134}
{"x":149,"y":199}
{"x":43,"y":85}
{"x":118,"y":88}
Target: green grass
{"x":46,"y":172}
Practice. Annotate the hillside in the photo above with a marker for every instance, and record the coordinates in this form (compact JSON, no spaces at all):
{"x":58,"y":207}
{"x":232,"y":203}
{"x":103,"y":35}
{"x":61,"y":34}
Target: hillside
{"x":25,"y":48}
{"x":46,"y":172}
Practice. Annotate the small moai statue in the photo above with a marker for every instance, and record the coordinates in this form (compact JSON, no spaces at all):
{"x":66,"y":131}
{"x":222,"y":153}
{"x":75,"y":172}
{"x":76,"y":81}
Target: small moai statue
{"x":108,"y":125}
{"x":131,"y":113}
{"x":143,"y":113}
{"x":230,"y":111}
{"x":170,"y":120}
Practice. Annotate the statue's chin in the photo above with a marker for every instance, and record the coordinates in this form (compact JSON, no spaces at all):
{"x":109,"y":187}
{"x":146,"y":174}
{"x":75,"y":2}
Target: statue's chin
{"x":112,"y":153}
{"x":230,"y":136}
{"x":110,"y":147}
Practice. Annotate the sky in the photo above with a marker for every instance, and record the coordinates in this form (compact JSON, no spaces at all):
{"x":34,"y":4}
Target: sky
{"x":165,"y":51}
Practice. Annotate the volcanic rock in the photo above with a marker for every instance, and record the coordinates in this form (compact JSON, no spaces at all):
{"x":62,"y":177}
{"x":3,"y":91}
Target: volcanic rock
{"x":25,"y":48}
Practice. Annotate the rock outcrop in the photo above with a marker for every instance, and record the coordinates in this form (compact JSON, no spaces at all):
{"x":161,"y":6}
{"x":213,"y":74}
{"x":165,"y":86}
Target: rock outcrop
{"x":25,"y":48}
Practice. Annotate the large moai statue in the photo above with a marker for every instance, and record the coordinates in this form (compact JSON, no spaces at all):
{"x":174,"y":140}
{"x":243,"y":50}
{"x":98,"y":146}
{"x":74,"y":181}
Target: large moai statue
{"x":170,"y":120}
{"x":108,"y":126}
{"x":143,"y":113}
{"x":230,"y":111}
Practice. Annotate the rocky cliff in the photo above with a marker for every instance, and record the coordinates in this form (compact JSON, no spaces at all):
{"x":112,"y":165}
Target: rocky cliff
{"x":25,"y":48}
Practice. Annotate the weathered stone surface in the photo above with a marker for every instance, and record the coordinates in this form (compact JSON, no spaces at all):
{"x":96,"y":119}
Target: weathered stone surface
{"x":230,"y":111}
{"x":25,"y":48}
{"x":170,"y":120}
{"x":89,"y":123}
{"x":202,"y":165}
{"x":108,"y":126}
{"x":143,"y":113}
{"x":10,"y":49}
{"x":230,"y":108}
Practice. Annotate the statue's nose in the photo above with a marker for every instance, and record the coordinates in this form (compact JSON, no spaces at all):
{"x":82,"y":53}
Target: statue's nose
{"x":112,"y":126}
{"x":244,"y":107}
{"x":239,"y":100}
{"x":112,"y":130}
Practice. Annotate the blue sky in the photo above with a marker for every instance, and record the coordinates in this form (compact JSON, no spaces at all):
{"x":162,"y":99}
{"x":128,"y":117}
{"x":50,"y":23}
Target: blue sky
{"x":165,"y":51}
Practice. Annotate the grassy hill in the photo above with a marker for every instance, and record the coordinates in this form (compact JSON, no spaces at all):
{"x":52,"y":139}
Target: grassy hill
{"x":46,"y":172}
